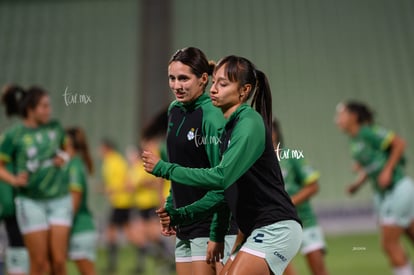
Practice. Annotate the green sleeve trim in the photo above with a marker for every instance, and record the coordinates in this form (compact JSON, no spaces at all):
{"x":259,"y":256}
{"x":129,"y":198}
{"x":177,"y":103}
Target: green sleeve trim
{"x":5,"y":158}
{"x":387,"y":141}
{"x":312,"y":178}
{"x":75,"y":187}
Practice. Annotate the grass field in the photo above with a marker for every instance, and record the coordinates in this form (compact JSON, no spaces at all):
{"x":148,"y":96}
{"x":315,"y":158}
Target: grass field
{"x":357,"y":254}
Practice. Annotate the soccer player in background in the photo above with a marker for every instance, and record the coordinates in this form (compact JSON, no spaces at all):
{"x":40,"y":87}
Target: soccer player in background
{"x":83,"y":237}
{"x":379,"y":156}
{"x":17,"y":258}
{"x":43,"y":203}
{"x":301,"y":183}
{"x":114,"y":172}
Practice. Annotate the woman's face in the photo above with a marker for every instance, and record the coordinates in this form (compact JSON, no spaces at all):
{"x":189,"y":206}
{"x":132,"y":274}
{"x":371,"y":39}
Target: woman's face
{"x":343,"y":118}
{"x":41,"y":113}
{"x":224,"y":93}
{"x":69,"y":148}
{"x":186,"y":86}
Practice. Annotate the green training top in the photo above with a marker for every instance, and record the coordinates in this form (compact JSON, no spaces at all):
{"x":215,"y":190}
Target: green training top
{"x":32,"y":150}
{"x":370,"y":149}
{"x":75,"y":170}
{"x":297,"y":174}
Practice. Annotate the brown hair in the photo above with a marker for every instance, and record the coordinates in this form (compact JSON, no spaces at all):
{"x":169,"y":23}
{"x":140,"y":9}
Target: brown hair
{"x":80,"y":144}
{"x":195,"y":59}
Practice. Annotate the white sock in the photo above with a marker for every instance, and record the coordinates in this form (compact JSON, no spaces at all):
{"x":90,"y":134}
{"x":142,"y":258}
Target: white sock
{"x":404,"y":270}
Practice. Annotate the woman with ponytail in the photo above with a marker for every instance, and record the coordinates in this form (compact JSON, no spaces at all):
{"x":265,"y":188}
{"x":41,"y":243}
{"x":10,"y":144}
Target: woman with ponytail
{"x":379,"y":156}
{"x":83,"y":238}
{"x":17,"y":259}
{"x":34,"y":151}
{"x":249,"y":173}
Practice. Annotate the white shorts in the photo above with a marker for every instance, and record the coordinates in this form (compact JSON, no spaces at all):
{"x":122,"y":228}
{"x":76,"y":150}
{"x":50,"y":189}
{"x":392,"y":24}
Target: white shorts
{"x":38,"y":215}
{"x":396,"y":207}
{"x":312,"y":240}
{"x":277,"y":243}
{"x":17,"y":260}
{"x":83,"y":245}
{"x":187,"y":251}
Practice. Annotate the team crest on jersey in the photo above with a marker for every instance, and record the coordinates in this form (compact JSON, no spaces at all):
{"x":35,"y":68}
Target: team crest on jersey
{"x":191,"y":134}
{"x":52,"y":134}
{"x":32,"y":165}
{"x":31,"y":151}
{"x":39,"y":138}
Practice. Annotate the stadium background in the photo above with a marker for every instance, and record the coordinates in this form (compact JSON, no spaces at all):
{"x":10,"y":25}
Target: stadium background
{"x":315,"y":53}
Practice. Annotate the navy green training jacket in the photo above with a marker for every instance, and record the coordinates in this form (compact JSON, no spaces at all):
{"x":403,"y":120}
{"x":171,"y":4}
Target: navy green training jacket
{"x":193,"y":141}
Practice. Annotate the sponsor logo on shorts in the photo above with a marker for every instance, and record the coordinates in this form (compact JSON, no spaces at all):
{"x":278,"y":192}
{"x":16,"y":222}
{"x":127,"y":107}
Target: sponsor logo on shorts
{"x":258,"y":238}
{"x":280,"y":256}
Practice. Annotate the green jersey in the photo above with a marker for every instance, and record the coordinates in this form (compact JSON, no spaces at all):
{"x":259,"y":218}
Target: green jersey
{"x":370,"y":149}
{"x":297,"y":174}
{"x":76,"y":173}
{"x":32,"y":150}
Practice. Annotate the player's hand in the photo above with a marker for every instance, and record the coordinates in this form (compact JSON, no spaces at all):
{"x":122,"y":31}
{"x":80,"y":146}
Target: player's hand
{"x":61,"y":158}
{"x":384,"y":178}
{"x":165,"y":221}
{"x":215,"y":252}
{"x":21,"y":179}
{"x":352,"y":189}
{"x":168,"y":232}
{"x":150,"y":160}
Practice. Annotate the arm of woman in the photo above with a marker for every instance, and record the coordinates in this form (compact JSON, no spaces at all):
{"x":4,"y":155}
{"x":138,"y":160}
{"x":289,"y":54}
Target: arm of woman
{"x":76,"y":200}
{"x":305,"y":193}
{"x":361,"y":179}
{"x":13,"y":180}
{"x":246,"y":146}
{"x":397,"y":147}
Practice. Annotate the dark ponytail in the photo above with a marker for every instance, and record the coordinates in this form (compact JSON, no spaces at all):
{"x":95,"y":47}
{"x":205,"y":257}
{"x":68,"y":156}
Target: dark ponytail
{"x":241,"y":70}
{"x":11,"y":97}
{"x":364,"y":114}
{"x":262,"y":98}
{"x":19,"y":101}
